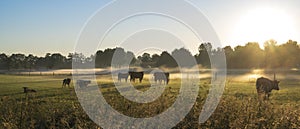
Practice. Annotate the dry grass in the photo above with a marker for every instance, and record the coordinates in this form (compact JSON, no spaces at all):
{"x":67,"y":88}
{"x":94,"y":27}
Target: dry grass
{"x":53,"y":107}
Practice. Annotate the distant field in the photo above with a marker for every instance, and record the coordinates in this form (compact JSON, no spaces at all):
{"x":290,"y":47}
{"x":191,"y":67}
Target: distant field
{"x":54,"y":107}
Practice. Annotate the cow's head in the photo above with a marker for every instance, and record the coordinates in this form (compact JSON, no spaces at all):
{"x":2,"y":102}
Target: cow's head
{"x":276,"y":87}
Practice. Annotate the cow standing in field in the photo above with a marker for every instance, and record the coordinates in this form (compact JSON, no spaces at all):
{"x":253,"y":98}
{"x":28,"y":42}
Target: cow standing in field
{"x":27,"y":90}
{"x":123,"y":75}
{"x":66,"y":82}
{"x":264,"y":86}
{"x":161,"y":76}
{"x":134,"y":75}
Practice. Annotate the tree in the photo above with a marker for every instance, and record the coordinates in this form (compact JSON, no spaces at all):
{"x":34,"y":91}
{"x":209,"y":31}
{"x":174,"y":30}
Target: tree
{"x":183,"y":57}
{"x":16,"y":61}
{"x":30,"y":61}
{"x":118,"y":57}
{"x":99,"y":59}
{"x":248,"y":56}
{"x":229,"y":53}
{"x":4,"y":61}
{"x":145,"y":60}
{"x":205,"y":50}
{"x":166,"y":60}
{"x":130,"y":58}
{"x":48,"y":61}
{"x":271,"y":54}
{"x":58,"y":60}
{"x":288,"y":54}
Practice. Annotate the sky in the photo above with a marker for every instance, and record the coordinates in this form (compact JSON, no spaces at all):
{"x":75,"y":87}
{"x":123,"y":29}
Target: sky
{"x":50,"y":26}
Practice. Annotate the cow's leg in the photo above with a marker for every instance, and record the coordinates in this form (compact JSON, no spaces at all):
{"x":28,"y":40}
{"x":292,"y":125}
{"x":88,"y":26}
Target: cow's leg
{"x":268,"y":95}
{"x":265,"y":96}
{"x":141,"y":80}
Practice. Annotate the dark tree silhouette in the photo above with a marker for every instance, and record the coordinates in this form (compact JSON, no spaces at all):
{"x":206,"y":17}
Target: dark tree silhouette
{"x":30,"y":62}
{"x":241,"y":57}
{"x":166,"y":60}
{"x":16,"y":61}
{"x":4,"y":62}
{"x":183,"y":57}
{"x":205,"y":51}
{"x":229,"y":53}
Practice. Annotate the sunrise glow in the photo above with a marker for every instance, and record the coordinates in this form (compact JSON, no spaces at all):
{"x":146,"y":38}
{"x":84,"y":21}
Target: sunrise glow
{"x":261,"y":24}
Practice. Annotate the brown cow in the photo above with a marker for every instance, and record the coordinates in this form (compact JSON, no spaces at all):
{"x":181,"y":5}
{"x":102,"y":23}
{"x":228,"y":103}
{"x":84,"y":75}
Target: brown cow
{"x":66,"y":82}
{"x":264,"y":86}
{"x":27,"y":90}
{"x":123,"y":75}
{"x":134,"y":75}
{"x":162,"y":76}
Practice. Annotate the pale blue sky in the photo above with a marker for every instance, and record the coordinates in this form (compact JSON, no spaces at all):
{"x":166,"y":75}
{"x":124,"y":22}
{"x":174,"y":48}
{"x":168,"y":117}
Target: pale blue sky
{"x":41,"y":26}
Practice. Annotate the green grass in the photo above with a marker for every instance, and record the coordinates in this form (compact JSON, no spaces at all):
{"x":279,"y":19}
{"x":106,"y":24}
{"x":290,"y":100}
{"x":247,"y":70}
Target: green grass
{"x":54,"y":107}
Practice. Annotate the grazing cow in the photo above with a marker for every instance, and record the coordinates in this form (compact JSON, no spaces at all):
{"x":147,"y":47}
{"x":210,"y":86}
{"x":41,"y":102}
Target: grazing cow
{"x":134,"y":75}
{"x":27,"y":90}
{"x":161,"y":76}
{"x":123,"y":75}
{"x":83,"y":83}
{"x":66,"y":82}
{"x":264,"y":86}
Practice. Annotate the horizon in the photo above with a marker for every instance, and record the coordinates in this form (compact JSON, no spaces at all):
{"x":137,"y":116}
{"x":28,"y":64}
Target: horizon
{"x":152,"y":52}
{"x":40,"y":27}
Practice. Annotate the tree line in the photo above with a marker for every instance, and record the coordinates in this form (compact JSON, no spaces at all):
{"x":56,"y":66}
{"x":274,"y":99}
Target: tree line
{"x":240,"y":57}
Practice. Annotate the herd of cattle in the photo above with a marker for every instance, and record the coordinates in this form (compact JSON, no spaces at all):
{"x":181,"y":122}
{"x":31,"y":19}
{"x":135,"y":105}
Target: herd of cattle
{"x":264,"y":86}
{"x":158,"y":76}
{"x":80,"y":83}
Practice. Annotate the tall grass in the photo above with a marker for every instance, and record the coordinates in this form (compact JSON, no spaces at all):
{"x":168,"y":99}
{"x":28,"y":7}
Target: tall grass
{"x":54,"y":107}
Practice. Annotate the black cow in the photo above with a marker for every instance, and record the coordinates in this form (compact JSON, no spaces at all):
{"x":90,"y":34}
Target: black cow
{"x":66,"y":82}
{"x":27,"y":90}
{"x":123,"y":75}
{"x":162,"y":76}
{"x":264,"y":86}
{"x":83,"y":83}
{"x":134,"y":75}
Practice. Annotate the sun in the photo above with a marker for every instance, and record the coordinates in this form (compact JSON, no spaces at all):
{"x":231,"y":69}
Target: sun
{"x":262,"y":24}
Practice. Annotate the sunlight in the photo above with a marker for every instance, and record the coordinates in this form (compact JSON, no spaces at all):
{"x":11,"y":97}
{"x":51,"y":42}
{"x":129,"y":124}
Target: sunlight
{"x":257,"y":71}
{"x":262,"y":24}
{"x":254,"y":76}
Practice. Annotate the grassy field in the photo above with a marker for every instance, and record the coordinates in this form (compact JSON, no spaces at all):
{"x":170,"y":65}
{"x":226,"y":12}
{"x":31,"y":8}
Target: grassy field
{"x":55,"y":107}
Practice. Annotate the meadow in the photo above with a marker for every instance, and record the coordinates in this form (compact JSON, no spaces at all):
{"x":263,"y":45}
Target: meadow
{"x":55,"y":107}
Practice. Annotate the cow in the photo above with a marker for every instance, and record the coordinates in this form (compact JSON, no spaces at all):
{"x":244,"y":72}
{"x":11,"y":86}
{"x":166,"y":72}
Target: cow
{"x":161,"y":76}
{"x":66,"y":82}
{"x":83,"y":83}
{"x":134,"y":75}
{"x":264,"y":86}
{"x":27,"y":90}
{"x":123,"y":75}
